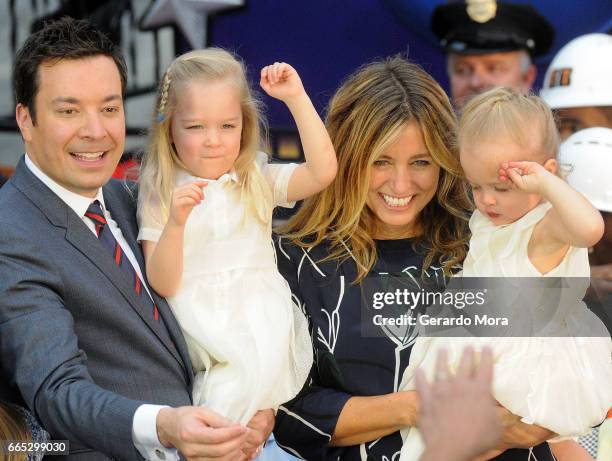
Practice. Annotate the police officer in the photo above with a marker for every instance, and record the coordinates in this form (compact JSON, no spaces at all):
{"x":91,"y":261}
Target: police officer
{"x":578,"y":84}
{"x":490,"y":44}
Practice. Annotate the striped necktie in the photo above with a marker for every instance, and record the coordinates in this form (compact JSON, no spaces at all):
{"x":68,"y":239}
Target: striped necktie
{"x":94,"y":212}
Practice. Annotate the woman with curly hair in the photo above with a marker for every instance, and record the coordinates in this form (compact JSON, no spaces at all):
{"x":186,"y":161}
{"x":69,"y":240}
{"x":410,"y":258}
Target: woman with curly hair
{"x":398,"y":205}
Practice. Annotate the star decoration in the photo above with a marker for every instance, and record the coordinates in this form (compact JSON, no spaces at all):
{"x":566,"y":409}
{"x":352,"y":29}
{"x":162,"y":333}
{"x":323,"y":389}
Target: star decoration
{"x":188,"y":15}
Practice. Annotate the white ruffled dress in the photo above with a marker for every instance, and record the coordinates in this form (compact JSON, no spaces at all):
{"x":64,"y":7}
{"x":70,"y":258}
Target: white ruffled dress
{"x":562,"y":381}
{"x":248,"y":342}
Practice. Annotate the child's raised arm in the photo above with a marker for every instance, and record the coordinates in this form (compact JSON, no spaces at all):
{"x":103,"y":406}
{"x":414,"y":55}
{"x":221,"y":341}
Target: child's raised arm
{"x":572,"y":220}
{"x":164,"y":258}
{"x":281,"y":81}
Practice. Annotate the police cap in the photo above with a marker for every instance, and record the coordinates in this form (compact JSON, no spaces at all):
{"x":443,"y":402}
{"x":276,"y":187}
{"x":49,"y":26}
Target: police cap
{"x":487,"y":26}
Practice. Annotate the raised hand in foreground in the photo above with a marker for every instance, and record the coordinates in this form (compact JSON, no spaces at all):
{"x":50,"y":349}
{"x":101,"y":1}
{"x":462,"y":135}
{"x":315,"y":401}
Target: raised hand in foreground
{"x":459,"y":417}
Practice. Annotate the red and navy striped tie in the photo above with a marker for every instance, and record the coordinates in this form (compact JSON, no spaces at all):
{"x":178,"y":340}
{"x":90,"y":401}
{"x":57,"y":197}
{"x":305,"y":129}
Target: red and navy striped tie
{"x":94,"y":212}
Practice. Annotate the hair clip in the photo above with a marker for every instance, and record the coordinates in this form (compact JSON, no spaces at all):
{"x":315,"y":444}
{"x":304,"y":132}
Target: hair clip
{"x":160,"y":117}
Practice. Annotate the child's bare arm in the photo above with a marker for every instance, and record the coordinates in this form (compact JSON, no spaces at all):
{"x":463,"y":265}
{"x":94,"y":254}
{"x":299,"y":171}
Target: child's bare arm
{"x":573,"y":220}
{"x":281,"y":81}
{"x":569,"y":450}
{"x":164,"y":258}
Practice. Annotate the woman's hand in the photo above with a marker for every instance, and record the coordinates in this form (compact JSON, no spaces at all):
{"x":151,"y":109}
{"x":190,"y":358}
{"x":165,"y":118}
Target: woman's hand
{"x":516,"y":434}
{"x":259,"y":428}
{"x":521,"y":435}
{"x":281,"y":81}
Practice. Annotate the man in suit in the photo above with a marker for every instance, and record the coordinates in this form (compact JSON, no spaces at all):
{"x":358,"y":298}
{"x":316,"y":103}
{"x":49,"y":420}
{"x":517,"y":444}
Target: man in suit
{"x":93,"y":352}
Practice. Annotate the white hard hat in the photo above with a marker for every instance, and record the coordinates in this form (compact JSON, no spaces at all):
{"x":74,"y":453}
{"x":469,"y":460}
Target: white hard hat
{"x":586,"y":156}
{"x":580,"y":75}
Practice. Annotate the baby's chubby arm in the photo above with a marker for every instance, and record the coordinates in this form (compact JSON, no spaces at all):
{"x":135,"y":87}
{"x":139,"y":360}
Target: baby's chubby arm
{"x":164,"y":258}
{"x":573,"y":220}
{"x":281,"y":81}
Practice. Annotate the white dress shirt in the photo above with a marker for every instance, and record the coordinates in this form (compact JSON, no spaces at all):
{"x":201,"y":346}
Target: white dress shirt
{"x":144,"y":424}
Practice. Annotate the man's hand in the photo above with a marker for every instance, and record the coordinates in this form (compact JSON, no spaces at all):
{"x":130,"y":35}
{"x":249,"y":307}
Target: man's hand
{"x":200,"y":434}
{"x":259,"y":428}
{"x":458,"y":413}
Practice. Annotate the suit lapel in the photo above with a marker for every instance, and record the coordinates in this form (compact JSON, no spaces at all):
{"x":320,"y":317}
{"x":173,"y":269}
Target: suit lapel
{"x":79,"y":236}
{"x":125,"y":221}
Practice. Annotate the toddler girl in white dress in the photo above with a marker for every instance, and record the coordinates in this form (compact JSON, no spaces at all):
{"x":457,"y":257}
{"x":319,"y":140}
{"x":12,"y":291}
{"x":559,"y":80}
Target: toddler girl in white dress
{"x":528,"y":223}
{"x":205,"y":211}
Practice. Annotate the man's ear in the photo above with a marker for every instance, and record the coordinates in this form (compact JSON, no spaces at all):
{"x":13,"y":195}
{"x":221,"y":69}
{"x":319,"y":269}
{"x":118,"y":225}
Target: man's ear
{"x":552,"y":165}
{"x":530,"y":76}
{"x":24,"y":121}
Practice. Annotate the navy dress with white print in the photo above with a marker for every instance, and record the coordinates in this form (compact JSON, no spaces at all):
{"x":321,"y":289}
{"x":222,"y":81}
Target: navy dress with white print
{"x":347,"y":363}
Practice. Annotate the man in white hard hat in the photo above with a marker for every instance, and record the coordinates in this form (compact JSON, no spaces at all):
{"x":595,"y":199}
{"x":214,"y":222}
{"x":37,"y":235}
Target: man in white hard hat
{"x":578,"y":84}
{"x":587,"y":157}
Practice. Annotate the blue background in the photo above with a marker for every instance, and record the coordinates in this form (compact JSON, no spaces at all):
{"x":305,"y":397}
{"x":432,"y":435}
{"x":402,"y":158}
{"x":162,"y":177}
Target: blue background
{"x":328,"y":39}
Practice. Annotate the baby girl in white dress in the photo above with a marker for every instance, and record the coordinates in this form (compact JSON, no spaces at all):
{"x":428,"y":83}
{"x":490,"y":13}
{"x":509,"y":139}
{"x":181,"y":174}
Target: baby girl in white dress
{"x":528,"y":223}
{"x":205,"y":212}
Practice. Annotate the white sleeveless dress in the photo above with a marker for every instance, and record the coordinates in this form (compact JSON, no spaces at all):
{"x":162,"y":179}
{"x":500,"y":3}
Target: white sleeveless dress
{"x":562,"y":383}
{"x":248,"y":342}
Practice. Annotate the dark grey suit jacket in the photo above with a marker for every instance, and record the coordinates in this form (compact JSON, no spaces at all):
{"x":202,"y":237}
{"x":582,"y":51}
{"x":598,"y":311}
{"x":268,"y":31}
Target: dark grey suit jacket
{"x":77,"y":346}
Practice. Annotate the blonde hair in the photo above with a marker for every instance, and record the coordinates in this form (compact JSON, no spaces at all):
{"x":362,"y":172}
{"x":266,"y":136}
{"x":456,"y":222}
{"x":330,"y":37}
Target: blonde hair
{"x":161,"y":161}
{"x":365,"y":117}
{"x":507,"y":112}
{"x":13,"y":427}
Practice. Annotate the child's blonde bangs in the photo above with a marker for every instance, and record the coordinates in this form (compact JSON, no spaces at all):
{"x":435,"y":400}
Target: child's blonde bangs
{"x":505,"y":113}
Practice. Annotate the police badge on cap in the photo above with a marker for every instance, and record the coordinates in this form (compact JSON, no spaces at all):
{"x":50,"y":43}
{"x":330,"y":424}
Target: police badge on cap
{"x":481,"y":10}
{"x":487,"y":26}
